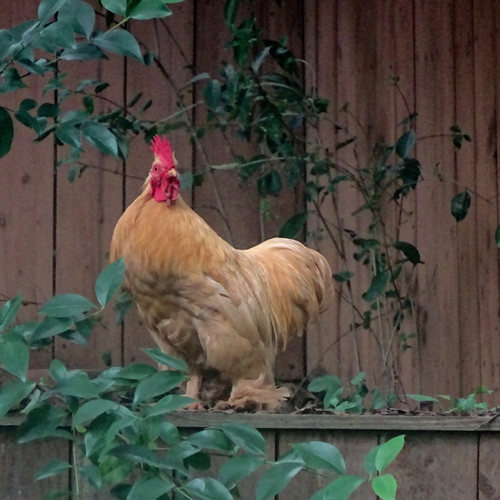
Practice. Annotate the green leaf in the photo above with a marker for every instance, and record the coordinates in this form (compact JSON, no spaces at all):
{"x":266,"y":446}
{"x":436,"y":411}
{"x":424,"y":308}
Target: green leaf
{"x":74,"y":383}
{"x":79,"y":15}
{"x":405,"y":144}
{"x":150,"y":488}
{"x":11,"y":81}
{"x":275,"y":479}
{"x":460,"y":205}
{"x":43,"y":422}
{"x":115,"y":6}
{"x":269,"y":183}
{"x":385,"y":486}
{"x":230,"y":11}
{"x":409,"y":173}
{"x":48,"y":109}
{"x":497,"y":236}
{"x":339,"y":489}
{"x":52,"y":468}
{"x":212,"y":94}
{"x":136,"y":371}
{"x":377,"y":286}
{"x":119,"y":41}
{"x":410,"y":251}
{"x":149,"y":9}
{"x":324,"y":383}
{"x":246,"y":437}
{"x":49,"y":327}
{"x":157,"y":384}
{"x":66,"y":305}
{"x":388,"y":451}
{"x":60,"y":35}
{"x":165,"y":359}
{"x":199,"y":461}
{"x":7,"y":128}
{"x":211,"y":439}
{"x":68,"y":134}
{"x":422,"y":399}
{"x":109,"y":281}
{"x":207,"y":489}
{"x":48,"y":8}
{"x":12,"y":393}
{"x":9,"y":310}
{"x":237,"y":468}
{"x":138,"y":455}
{"x":14,"y":355}
{"x":343,"y":276}
{"x":369,"y":461}
{"x":320,"y":455}
{"x":83,"y":52}
{"x":100,"y":137}
{"x":292,"y":227}
{"x":169,"y":403}
{"x":92,"y":409}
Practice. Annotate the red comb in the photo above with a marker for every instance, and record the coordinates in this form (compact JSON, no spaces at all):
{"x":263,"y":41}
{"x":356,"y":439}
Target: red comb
{"x":161,"y":148}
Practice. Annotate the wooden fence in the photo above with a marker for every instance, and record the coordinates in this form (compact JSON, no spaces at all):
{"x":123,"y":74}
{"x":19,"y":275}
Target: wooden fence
{"x":444,"y":457}
{"x":54,"y":235}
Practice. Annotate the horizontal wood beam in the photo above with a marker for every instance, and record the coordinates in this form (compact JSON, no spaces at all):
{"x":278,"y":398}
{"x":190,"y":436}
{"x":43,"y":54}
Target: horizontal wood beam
{"x":421,"y":423}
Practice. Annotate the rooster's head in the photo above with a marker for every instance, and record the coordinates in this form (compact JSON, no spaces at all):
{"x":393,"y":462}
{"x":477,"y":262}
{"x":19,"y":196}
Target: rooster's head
{"x":163,"y":177}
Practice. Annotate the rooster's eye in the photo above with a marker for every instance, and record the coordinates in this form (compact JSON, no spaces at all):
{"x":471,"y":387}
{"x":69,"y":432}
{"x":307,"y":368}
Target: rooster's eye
{"x":155,"y":168}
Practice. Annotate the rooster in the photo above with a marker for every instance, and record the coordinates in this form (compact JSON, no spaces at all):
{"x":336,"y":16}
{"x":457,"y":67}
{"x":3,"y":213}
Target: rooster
{"x":226,"y":312}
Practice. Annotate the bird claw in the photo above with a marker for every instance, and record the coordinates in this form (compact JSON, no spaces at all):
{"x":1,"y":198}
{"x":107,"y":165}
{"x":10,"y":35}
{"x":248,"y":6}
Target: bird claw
{"x":196,"y":406}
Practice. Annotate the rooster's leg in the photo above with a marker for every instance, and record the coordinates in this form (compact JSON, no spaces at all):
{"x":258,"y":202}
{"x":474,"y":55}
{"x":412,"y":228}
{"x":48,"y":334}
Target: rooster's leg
{"x":192,"y":391}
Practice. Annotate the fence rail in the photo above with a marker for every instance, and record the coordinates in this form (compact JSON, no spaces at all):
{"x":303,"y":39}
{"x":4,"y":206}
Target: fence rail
{"x":442,"y":458}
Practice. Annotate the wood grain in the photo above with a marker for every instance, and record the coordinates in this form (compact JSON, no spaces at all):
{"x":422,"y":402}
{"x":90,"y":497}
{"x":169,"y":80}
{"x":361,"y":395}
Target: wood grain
{"x":20,"y":462}
{"x":437,"y":297}
{"x":436,"y":466}
{"x":489,"y":467}
{"x":26,"y":201}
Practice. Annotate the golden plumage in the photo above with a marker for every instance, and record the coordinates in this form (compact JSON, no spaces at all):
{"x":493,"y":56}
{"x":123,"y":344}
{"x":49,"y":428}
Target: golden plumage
{"x":226,"y":312}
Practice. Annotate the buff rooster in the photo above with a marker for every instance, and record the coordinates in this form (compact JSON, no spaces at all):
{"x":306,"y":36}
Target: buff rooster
{"x":226,"y":312}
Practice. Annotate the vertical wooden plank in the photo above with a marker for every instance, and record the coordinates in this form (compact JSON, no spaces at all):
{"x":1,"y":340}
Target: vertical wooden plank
{"x":467,"y":230}
{"x":485,"y":136}
{"x":86,"y":212}
{"x":488,"y":481}
{"x":438,"y":296}
{"x":404,"y":104}
{"x":353,"y":446}
{"x":323,"y":353}
{"x":172,"y":40}
{"x":21,"y":461}
{"x":447,"y":461}
{"x":26,"y":192}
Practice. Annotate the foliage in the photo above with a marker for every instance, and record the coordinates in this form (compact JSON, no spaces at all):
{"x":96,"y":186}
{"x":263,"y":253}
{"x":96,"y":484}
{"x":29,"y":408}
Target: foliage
{"x":357,"y":398}
{"x":468,"y":405}
{"x":352,"y":399}
{"x":118,"y":421}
